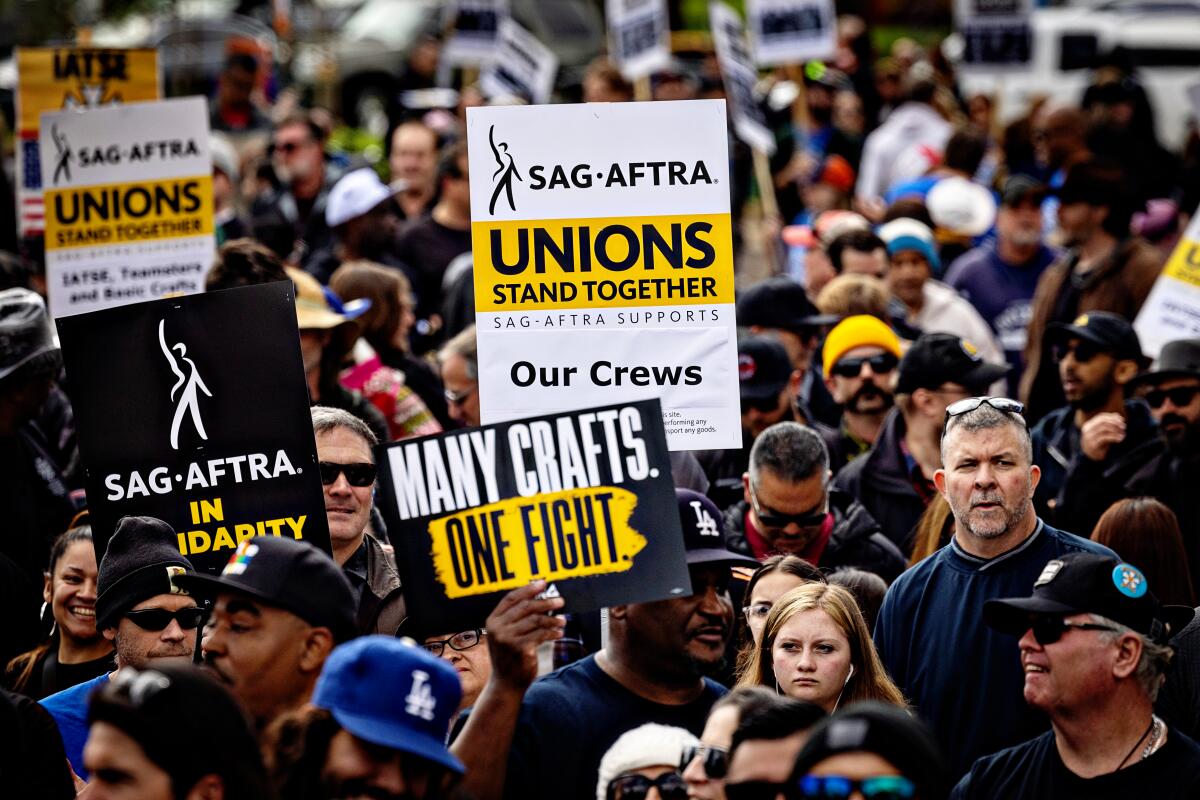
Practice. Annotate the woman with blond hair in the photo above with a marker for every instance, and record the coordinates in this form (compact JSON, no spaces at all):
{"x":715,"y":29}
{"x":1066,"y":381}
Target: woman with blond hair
{"x":816,"y":647}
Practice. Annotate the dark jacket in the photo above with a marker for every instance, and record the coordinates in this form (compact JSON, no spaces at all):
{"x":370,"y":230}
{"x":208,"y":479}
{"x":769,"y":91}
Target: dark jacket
{"x":1179,"y":700}
{"x":1172,"y":479}
{"x":856,"y":540}
{"x":1075,"y":490}
{"x":381,"y":609}
{"x":879,"y":479}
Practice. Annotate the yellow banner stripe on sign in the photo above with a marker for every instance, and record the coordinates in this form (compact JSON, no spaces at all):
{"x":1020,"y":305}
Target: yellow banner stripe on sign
{"x":50,"y":79}
{"x":616,"y":262}
{"x":567,"y":534}
{"x":1184,"y":263}
{"x":127,"y":213}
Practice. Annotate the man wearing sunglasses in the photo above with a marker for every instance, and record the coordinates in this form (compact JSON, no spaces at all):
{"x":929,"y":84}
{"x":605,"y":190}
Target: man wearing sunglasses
{"x":459,"y":362}
{"x":347,"y":464}
{"x":1093,"y":644}
{"x":859,"y":363}
{"x":1098,"y":436}
{"x":764,"y":748}
{"x":894,"y":479}
{"x":789,"y":508}
{"x":930,"y":632}
{"x":142,"y":608}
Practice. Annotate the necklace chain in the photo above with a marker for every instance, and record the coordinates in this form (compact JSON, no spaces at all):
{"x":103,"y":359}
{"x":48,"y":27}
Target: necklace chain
{"x":1156,"y":730}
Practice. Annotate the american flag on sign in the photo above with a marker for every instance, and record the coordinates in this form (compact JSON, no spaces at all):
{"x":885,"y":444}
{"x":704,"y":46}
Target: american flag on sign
{"x":32,"y":211}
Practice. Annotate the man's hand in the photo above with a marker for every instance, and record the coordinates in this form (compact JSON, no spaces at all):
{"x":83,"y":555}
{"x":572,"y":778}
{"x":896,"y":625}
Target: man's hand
{"x":519,"y":623}
{"x":1100,"y":433}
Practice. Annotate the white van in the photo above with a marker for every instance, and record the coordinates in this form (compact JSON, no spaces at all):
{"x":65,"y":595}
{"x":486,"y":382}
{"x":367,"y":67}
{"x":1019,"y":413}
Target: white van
{"x":1162,"y":38}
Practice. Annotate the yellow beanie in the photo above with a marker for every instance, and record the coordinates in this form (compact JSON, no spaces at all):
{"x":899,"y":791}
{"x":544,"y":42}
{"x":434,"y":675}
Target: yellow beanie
{"x":859,"y":331}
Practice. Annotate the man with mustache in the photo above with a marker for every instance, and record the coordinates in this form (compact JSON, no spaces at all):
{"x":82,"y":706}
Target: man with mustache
{"x":141,"y":607}
{"x":1098,"y":435}
{"x":653,"y":668}
{"x":894,"y":479}
{"x":860,"y":358}
{"x":790,"y":508}
{"x":956,"y":671}
{"x":279,"y":608}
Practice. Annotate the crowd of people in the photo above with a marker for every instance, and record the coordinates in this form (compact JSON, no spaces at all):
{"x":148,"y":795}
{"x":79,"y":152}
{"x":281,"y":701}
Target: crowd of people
{"x":957,"y":548}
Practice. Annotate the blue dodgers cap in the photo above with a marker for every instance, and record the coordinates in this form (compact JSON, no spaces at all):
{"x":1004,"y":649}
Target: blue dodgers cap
{"x":392,"y":694}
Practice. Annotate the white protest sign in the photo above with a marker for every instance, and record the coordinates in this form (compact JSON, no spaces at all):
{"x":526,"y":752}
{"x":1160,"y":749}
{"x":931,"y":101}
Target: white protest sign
{"x":521,"y":66}
{"x":791,"y":31}
{"x":639,"y":36}
{"x":739,"y":76}
{"x":129,"y":203}
{"x":604,"y":262}
{"x":474,"y":26}
{"x":996,"y":33}
{"x":1172,"y":309}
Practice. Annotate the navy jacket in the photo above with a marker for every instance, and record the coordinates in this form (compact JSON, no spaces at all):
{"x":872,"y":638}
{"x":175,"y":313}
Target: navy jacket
{"x":960,"y":676}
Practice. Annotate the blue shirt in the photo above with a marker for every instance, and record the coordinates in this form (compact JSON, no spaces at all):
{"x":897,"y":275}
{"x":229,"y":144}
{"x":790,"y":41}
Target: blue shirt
{"x":69,"y":709}
{"x":962,"y":677}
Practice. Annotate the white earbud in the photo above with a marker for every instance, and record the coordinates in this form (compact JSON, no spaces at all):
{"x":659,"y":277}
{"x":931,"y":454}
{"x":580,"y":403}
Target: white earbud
{"x":849,"y":675}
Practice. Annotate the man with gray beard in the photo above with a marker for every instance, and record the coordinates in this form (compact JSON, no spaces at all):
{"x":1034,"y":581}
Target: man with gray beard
{"x":957,"y":672}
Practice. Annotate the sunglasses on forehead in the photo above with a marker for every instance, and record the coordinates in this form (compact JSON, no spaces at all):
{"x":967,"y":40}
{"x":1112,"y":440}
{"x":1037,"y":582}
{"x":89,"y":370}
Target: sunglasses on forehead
{"x":852,"y":367}
{"x":971,"y":403}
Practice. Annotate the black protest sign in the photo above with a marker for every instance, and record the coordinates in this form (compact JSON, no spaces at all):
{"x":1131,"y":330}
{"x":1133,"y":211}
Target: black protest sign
{"x":583,"y":500}
{"x":195,"y":410}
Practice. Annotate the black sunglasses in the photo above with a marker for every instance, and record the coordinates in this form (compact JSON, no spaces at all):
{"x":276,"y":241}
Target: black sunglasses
{"x":971,"y":403}
{"x":773,"y":519}
{"x":1179,"y":396}
{"x":1048,"y":630}
{"x":157,"y":619}
{"x":359,"y":475}
{"x":1083,"y":350}
{"x":839,"y":787}
{"x":852,"y":367}
{"x":670,"y":786}
{"x":715,"y":760}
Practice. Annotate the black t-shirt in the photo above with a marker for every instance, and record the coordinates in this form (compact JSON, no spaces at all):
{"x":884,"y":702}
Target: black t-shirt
{"x":56,"y":676}
{"x":428,"y":247}
{"x":1035,"y":770}
{"x":571,"y":717}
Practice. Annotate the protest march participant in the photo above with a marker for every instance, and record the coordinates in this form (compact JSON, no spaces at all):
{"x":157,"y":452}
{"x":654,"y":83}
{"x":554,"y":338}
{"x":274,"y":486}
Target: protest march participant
{"x":279,"y":607}
{"x":816,"y":647}
{"x":226,"y":175}
{"x":789,"y":507}
{"x":860,"y":358}
{"x":376,"y":728}
{"x":913,"y":125}
{"x":142,"y":609}
{"x":1098,"y":434}
{"x":1179,"y":700}
{"x":935,"y":609}
{"x":290,"y":219}
{"x":1103,"y":269}
{"x":930,"y":305}
{"x":171,"y":732}
{"x":243,"y":262}
{"x":894,"y":479}
{"x":777,"y":576}
{"x":1000,"y":276}
{"x":1144,"y":531}
{"x":412,"y":162}
{"x":867,"y":587}
{"x":706,"y":764}
{"x":459,"y":360}
{"x":362,"y":217}
{"x":858,"y":252}
{"x":31,"y":751}
{"x":645,"y":763}
{"x":33,"y":489}
{"x":347,"y":463}
{"x":76,"y":651}
{"x":472,"y":663}
{"x":779,"y":307}
{"x":652,"y":669}
{"x":765,"y":745}
{"x":326,"y":335}
{"x":870,"y":750}
{"x":233,"y":110}
{"x":1094,"y":648}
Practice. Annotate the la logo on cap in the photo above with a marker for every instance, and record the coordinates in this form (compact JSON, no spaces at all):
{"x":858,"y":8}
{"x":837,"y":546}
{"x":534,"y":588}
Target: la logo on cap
{"x":420,"y":701}
{"x":240,"y":559}
{"x":1049,"y":571}
{"x":705,"y":524}
{"x":1129,"y":580}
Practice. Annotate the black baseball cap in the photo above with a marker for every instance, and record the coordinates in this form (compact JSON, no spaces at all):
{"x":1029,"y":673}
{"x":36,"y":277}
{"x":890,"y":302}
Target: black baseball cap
{"x":1099,"y":182}
{"x":779,"y":302}
{"x":1111,"y":331}
{"x":1090,"y":583}
{"x":704,"y":531}
{"x":763,"y":367}
{"x":937,"y":358}
{"x":1019,"y":188}
{"x":289,"y":574}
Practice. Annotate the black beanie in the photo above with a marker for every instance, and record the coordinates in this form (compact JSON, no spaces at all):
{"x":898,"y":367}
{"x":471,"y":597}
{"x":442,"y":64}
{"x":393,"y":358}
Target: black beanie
{"x":886,"y":730}
{"x":141,"y":559}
